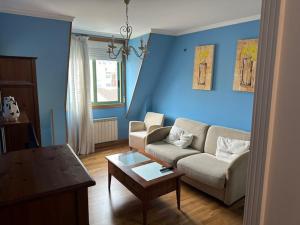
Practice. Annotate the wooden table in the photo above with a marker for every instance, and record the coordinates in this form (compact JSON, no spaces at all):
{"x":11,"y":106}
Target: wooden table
{"x":142,"y":189}
{"x":43,"y":186}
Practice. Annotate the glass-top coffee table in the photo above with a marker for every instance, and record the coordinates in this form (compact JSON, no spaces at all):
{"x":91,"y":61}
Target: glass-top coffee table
{"x":141,"y":174}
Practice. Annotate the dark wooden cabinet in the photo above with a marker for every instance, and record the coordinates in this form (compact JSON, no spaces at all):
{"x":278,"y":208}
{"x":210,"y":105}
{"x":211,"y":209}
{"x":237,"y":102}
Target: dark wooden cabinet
{"x":43,"y":186}
{"x":18,"y":79}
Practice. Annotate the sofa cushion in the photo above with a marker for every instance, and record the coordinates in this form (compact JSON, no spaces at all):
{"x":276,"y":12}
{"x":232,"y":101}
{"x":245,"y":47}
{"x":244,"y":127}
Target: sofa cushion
{"x":204,"y":168}
{"x":214,"y":132}
{"x":169,"y":153}
{"x":198,"y":130}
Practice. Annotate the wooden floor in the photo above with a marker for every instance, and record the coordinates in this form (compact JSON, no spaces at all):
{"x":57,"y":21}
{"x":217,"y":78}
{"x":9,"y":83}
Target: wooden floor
{"x":123,"y":208}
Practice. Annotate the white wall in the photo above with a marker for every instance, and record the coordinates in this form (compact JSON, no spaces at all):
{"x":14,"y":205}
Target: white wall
{"x":281,"y":197}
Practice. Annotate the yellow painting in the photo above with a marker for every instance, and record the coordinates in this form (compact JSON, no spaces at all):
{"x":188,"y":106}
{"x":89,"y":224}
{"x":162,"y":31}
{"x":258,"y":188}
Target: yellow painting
{"x":203,"y":67}
{"x":245,"y":65}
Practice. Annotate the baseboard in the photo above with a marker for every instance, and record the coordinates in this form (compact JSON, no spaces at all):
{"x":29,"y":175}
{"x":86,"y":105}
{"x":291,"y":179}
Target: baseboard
{"x":106,"y":145}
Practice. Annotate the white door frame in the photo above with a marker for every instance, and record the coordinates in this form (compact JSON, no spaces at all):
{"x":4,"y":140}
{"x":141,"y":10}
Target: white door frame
{"x":261,"y":111}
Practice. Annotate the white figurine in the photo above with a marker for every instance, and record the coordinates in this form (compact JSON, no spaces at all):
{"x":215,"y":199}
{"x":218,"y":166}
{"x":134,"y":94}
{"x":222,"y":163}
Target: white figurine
{"x":10,"y":109}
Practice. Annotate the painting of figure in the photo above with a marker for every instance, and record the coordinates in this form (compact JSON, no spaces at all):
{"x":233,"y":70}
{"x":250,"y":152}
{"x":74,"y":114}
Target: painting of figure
{"x":245,"y":65}
{"x":203,"y":67}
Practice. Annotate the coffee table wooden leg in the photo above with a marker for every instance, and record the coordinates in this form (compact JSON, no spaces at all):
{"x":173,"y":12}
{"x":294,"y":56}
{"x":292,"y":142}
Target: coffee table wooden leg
{"x":109,"y":181}
{"x":178,"y":193}
{"x":145,"y":211}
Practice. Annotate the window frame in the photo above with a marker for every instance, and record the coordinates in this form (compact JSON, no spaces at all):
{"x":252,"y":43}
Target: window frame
{"x":121,"y":81}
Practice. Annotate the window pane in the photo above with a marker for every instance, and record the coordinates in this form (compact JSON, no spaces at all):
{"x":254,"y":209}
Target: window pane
{"x":107,"y":81}
{"x":92,"y":81}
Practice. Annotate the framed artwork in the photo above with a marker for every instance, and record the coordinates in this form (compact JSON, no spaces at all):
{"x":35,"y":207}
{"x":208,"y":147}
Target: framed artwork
{"x":245,"y":65}
{"x":203,"y":67}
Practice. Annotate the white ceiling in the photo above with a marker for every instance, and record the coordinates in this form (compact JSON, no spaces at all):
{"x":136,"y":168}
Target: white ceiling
{"x":167,"y":16}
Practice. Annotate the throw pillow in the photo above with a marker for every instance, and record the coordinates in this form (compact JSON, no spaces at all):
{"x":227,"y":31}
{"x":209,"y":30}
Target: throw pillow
{"x":229,"y":149}
{"x":174,"y":135}
{"x":179,"y":137}
{"x":185,"y":140}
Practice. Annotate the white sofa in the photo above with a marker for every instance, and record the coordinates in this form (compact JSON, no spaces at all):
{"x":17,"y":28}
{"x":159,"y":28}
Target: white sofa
{"x":225,"y":181}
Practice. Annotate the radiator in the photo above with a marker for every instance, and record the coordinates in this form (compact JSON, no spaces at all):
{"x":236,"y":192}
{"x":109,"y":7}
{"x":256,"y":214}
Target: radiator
{"x":105,"y":130}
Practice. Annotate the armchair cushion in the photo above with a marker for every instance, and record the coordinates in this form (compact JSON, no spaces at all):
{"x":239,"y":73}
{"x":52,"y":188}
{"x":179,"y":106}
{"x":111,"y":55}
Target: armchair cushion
{"x":205,"y":168}
{"x":169,"y":153}
{"x":152,"y":118}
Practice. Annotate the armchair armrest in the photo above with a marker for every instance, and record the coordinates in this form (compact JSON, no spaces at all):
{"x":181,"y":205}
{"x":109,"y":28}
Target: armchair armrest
{"x":152,"y":128}
{"x":236,"y":179}
{"x":158,"y":135}
{"x":135,"y":126}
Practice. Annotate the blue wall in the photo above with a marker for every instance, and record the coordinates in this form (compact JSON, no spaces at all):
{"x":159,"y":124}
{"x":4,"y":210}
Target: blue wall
{"x":149,"y":75}
{"x":133,"y":66}
{"x":222,"y":106}
{"x":48,"y":40}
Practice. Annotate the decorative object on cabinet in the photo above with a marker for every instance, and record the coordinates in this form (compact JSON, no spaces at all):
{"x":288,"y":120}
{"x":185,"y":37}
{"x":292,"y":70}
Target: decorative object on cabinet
{"x":10,"y":108}
{"x":245,"y":65}
{"x":18,"y":79}
{"x":203,"y":67}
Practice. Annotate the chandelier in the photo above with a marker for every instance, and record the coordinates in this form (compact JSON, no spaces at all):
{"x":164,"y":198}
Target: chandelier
{"x":126,"y":31}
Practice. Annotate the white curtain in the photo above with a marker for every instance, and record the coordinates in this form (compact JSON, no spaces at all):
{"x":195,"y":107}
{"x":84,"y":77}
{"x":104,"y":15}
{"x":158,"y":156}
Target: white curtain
{"x":79,"y":106}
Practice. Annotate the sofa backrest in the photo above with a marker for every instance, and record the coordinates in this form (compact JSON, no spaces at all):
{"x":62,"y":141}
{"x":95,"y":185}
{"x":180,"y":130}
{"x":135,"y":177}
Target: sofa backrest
{"x":216,"y":131}
{"x":196,"y":128}
{"x":153,"y":118}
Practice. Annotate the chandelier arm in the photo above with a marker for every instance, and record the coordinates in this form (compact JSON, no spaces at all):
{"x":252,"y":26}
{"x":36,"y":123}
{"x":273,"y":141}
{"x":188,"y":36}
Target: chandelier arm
{"x":115,"y":55}
{"x":136,"y":52}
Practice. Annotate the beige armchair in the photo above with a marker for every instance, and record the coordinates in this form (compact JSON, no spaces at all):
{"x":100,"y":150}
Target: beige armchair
{"x":138,"y":130}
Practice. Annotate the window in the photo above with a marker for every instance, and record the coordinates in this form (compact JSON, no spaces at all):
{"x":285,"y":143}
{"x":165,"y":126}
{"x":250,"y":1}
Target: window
{"x":106,"y":76}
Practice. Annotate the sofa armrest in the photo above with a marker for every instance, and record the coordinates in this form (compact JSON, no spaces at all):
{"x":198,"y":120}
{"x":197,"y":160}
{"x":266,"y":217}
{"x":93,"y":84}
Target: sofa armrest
{"x":158,"y":135}
{"x":152,"y":128}
{"x":236,"y":179}
{"x":135,"y":126}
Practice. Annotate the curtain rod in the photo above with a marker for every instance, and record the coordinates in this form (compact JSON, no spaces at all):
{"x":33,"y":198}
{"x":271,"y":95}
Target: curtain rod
{"x":99,"y":38}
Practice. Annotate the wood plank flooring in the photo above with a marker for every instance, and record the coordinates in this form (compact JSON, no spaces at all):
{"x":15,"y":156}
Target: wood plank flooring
{"x":123,"y":208}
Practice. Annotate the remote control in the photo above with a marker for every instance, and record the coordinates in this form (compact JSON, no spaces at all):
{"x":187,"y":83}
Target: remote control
{"x":166,"y":169}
